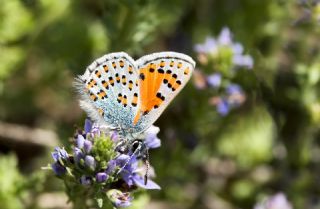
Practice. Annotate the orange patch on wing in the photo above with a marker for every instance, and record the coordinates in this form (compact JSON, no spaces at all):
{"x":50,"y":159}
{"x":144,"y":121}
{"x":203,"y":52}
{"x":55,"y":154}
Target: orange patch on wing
{"x":150,"y":79}
{"x":102,"y":94}
{"x":124,"y":100}
{"x":93,"y":97}
{"x":98,"y":73}
{"x":186,"y":71}
{"x":106,"y":69}
{"x":121,"y":63}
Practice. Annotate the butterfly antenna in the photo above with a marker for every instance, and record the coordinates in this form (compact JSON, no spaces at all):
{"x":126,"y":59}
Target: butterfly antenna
{"x":146,"y":161}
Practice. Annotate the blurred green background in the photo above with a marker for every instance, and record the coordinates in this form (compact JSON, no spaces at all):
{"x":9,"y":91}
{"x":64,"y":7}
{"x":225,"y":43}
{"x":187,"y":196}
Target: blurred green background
{"x":269,"y":144}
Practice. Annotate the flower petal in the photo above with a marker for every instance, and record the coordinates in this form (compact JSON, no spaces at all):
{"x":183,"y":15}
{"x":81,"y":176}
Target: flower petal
{"x":139,"y":181}
{"x":87,"y":126}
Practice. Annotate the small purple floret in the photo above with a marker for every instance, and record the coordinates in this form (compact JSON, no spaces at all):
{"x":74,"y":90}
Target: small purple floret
{"x":59,"y":154}
{"x":111,"y":166}
{"x":87,"y":146}
{"x":214,"y":80}
{"x":90,"y":162}
{"x":223,"y":107}
{"x":151,"y":139}
{"x":87,"y":126}
{"x":58,"y":169}
{"x":85,"y":180}
{"x":78,"y":154}
{"x":80,"y":141}
{"x":101,"y":177}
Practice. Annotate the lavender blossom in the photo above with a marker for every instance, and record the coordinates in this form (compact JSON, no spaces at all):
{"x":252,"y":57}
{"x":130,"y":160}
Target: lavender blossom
{"x":101,"y":177}
{"x":87,"y":146}
{"x":225,"y":37}
{"x":277,"y":201}
{"x":209,"y":46}
{"x":214,"y":80}
{"x":85,"y":180}
{"x":151,"y":139}
{"x":97,"y":165}
{"x":131,"y":174}
{"x":87,"y":126}
{"x":214,"y":48}
{"x":243,"y":61}
{"x":223,"y":107}
{"x":111,"y":166}
{"x":78,"y":155}
{"x":80,"y":141}
{"x":59,"y":154}
{"x":58,"y":169}
{"x":90,"y":162}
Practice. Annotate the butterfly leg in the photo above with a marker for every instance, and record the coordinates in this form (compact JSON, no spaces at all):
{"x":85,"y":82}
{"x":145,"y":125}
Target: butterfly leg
{"x":139,"y":146}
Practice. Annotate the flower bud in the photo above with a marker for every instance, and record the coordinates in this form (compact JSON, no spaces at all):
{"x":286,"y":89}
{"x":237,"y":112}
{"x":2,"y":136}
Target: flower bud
{"x":101,"y":177}
{"x":87,"y":146}
{"x":78,"y":155}
{"x":58,"y":169}
{"x":90,"y":162}
{"x":85,"y":180}
{"x":80,"y":141}
{"x":111,"y":166}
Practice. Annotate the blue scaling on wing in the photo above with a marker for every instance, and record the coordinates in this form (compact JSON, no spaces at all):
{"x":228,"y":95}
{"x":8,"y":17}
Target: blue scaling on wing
{"x":109,"y":92}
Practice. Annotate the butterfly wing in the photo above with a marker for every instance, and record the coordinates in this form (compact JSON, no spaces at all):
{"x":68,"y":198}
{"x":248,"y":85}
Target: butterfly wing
{"x":109,"y":90}
{"x":161,"y":77}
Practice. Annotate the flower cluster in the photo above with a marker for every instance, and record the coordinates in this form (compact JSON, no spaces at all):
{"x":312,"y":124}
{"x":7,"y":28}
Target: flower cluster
{"x":223,"y":56}
{"x":277,"y":201}
{"x":99,"y":170}
{"x":223,"y":49}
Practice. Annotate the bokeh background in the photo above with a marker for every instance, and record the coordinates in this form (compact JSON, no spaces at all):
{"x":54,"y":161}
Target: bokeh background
{"x":244,"y":133}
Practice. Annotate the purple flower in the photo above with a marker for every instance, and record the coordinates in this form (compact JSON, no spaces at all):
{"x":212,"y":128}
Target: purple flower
{"x":234,"y":89}
{"x":278,"y":201}
{"x":78,"y":154}
{"x":151,"y":139}
{"x":95,"y":130}
{"x":235,"y":95}
{"x":114,"y":136}
{"x":243,"y":61}
{"x":101,"y":177}
{"x":90,"y":162}
{"x":119,"y":199}
{"x":87,"y":146}
{"x":224,"y":40}
{"x":127,"y":171}
{"x":59,"y":154}
{"x":131,"y":175}
{"x":111,"y":166}
{"x":80,"y":141}
{"x":214,"y":80}
{"x":237,"y":48}
{"x":85,"y":180}
{"x":139,"y":181}
{"x":209,"y":46}
{"x":58,"y":169}
{"x":225,"y":37}
{"x":223,"y":107}
{"x":87,"y":126}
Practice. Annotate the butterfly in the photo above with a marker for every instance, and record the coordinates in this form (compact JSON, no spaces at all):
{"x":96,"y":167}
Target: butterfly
{"x":129,"y":95}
